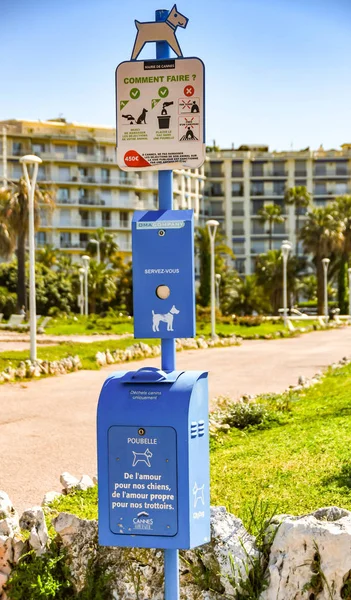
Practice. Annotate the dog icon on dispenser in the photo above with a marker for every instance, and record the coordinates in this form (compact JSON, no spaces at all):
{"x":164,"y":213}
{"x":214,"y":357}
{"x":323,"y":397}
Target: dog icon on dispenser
{"x":166,"y":318}
{"x":142,"y":457}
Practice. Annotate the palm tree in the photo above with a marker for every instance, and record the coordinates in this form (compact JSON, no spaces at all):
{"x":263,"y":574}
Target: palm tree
{"x":300,"y":198}
{"x":101,"y":284}
{"x":269,"y":270}
{"x":48,"y":255}
{"x":14,"y":217}
{"x":202,"y":248}
{"x":271,"y":214}
{"x":341,"y":208}
{"x":321,"y":234}
{"x":108,"y":245}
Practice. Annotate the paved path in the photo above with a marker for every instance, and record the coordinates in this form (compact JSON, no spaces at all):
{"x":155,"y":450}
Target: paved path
{"x":48,"y":426}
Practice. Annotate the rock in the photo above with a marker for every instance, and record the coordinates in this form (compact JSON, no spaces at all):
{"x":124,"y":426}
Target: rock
{"x":302,"y":380}
{"x":68,"y":481}
{"x":100,"y":359}
{"x":201,"y":343}
{"x":108,"y":356}
{"x":33,"y":520}
{"x":6,"y":506}
{"x":50,"y":497}
{"x":310,"y":556}
{"x":95,"y":480}
{"x":84,"y":483}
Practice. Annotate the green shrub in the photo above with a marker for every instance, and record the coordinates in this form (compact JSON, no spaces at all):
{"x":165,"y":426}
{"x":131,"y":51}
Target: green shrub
{"x":246,"y":414}
{"x":41,"y":577}
{"x":8,"y":302}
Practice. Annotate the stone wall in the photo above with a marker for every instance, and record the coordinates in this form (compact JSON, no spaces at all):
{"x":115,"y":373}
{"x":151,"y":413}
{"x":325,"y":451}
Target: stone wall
{"x":305,"y":558}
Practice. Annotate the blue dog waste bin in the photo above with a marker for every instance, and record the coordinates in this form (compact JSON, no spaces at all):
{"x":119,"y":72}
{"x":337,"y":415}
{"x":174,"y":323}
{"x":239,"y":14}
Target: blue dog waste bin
{"x":153,"y":459}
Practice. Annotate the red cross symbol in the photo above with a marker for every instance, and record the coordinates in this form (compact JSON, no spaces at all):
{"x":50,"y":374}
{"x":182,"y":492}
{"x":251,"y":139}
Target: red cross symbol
{"x":189,"y":90}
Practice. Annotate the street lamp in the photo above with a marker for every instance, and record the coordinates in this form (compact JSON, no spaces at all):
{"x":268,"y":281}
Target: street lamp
{"x":286,"y":247}
{"x":218,"y":282}
{"x":349,"y":272}
{"x":92,"y":241}
{"x":86,"y":259}
{"x":326,"y":262}
{"x":81,"y":295}
{"x":31,"y":159}
{"x":212,"y":225}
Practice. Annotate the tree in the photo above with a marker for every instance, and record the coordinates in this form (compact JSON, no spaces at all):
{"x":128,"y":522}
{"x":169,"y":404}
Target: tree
{"x":321,"y":234}
{"x":271,"y":214}
{"x":124,"y":282}
{"x":300,"y":198}
{"x":249,"y":297}
{"x":101,"y":285}
{"x":203,"y":251}
{"x":341,"y":208}
{"x":269,"y":273}
{"x":14,"y":218}
{"x":48,"y":255}
{"x":108,"y":245}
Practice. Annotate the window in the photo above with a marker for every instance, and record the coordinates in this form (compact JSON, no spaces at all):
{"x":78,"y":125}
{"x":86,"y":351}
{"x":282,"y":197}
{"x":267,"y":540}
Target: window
{"x":106,"y":218}
{"x":64,"y":174}
{"x":106,"y":197}
{"x":41,"y":173}
{"x":320,"y":188}
{"x":279,"y":168}
{"x":214,"y":189}
{"x":237,"y":169}
{"x":123,"y":198}
{"x":300,"y":182}
{"x":279,"y":228}
{"x":83,"y":173}
{"x":257,"y":169}
{"x":84,"y":149}
{"x":237,"y":189}
{"x":341,"y":168}
{"x":300,"y":168}
{"x":41,"y":238}
{"x":83,"y":240}
{"x":238,"y":228}
{"x":61,"y":148}
{"x":258,"y":247}
{"x":257,"y":188}
{"x":123,"y":219}
{"x":238,"y":248}
{"x":38,"y":147}
{"x":65,"y":240}
{"x":257,"y":227}
{"x":17,"y":171}
{"x":256,"y":205}
{"x":320,"y":169}
{"x":105,"y":175}
{"x":216,"y":169}
{"x":16,"y":148}
{"x":278,"y":188}
{"x":63,"y":195}
{"x":239,"y":265}
{"x":65,"y":216}
{"x":238,"y":209}
{"x":43,"y":217}
{"x":216,"y":209}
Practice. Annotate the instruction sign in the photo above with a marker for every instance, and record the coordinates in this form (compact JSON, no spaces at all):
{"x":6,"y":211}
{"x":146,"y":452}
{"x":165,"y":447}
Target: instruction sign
{"x":143,"y":480}
{"x":160,"y":114}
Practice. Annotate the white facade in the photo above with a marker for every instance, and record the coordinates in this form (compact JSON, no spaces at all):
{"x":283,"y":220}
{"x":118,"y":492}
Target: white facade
{"x":240,"y":182}
{"x":79,"y":163}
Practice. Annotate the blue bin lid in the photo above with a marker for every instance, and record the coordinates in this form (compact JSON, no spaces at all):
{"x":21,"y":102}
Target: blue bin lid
{"x":150,"y":375}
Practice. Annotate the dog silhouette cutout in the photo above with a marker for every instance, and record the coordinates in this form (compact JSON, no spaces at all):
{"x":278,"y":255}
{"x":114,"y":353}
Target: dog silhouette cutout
{"x":166,"y":318}
{"x":160,"y":31}
{"x":142,"y":118}
{"x":142,"y":457}
{"x":198,"y":494}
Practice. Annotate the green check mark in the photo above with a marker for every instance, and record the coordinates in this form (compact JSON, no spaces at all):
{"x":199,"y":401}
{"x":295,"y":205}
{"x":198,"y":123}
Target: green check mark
{"x":163,"y":92}
{"x":134,"y":93}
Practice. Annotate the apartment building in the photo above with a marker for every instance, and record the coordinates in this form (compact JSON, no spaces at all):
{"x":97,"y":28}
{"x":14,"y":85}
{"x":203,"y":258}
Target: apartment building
{"x":240,"y":182}
{"x":79,"y":162}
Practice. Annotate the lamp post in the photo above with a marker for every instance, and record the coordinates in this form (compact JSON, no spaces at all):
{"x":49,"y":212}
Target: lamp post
{"x":349,"y":272}
{"x":218,"y":282}
{"x":81,"y":295}
{"x":31,"y":159}
{"x":326,"y":262}
{"x":212,"y":226}
{"x":286,"y":247}
{"x":92,"y":241}
{"x":86,"y":259}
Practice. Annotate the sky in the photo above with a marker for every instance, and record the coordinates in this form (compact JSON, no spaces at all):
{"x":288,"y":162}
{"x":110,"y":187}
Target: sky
{"x":277,"y":71}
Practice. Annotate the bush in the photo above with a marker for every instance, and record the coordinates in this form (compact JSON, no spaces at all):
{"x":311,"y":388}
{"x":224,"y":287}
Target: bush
{"x":246,"y":414}
{"x":8,"y":302}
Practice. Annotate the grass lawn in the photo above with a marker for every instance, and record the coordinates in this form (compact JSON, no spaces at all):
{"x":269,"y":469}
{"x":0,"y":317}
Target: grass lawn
{"x":86,"y":352}
{"x":246,"y":332}
{"x":299,"y":464}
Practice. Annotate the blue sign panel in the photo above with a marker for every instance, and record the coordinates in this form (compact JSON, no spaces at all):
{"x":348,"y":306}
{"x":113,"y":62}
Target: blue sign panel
{"x":143,"y":480}
{"x":163,"y":274}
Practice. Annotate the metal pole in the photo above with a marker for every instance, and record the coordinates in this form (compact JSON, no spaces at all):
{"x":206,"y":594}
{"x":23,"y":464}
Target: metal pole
{"x":213,"y":298}
{"x":285,"y":291}
{"x":4,"y":157}
{"x":165,"y":193}
{"x":86,"y":290}
{"x":32,"y":303}
{"x":98,"y":252}
{"x":81,"y":297}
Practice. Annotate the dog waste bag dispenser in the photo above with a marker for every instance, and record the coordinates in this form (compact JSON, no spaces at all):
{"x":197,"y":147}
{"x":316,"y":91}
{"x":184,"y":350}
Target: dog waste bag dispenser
{"x":163,"y":274}
{"x":153,"y":460}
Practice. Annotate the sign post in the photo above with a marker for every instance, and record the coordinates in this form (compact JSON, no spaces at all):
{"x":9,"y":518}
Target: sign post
{"x":153,"y":456}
